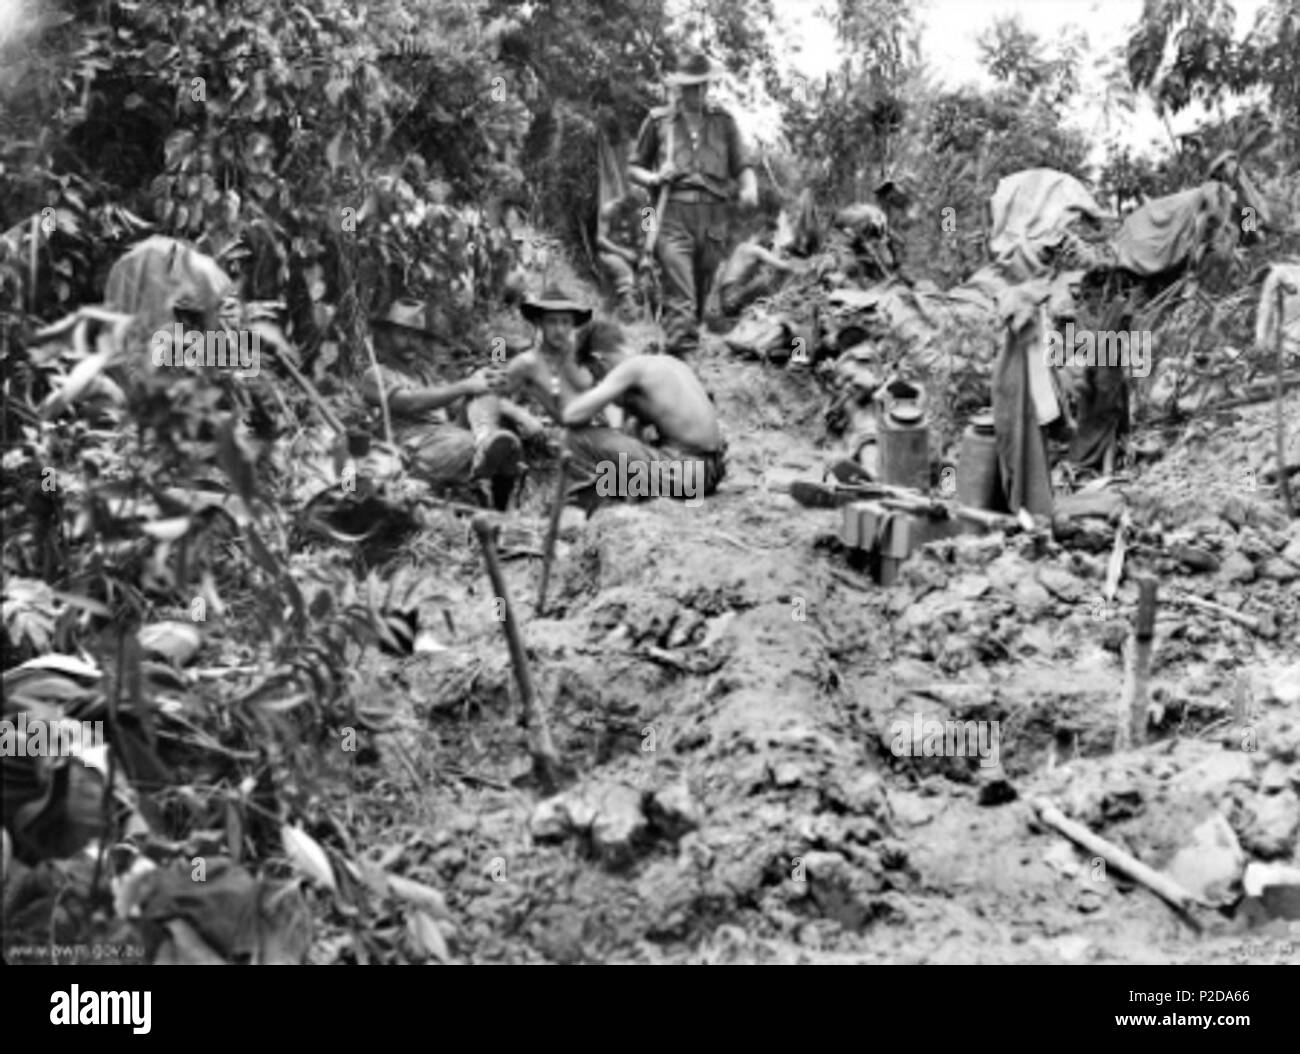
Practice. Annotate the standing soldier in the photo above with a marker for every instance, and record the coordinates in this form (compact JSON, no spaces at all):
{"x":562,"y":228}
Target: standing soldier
{"x":691,"y":155}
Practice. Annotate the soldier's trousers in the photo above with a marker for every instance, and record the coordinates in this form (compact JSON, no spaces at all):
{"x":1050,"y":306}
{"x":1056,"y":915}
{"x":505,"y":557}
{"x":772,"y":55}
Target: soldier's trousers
{"x":610,"y":458}
{"x":444,"y":454}
{"x":692,"y":244}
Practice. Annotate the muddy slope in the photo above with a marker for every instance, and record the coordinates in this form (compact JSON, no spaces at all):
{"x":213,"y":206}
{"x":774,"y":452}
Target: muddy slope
{"x":724,"y":687}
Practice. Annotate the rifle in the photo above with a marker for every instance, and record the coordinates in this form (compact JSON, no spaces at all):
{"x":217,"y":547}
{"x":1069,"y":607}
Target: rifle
{"x":647,"y":269}
{"x":833,"y":495}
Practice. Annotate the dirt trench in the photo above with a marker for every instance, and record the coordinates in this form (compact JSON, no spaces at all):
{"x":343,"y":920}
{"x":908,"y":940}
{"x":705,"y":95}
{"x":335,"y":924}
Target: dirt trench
{"x":724,"y":689}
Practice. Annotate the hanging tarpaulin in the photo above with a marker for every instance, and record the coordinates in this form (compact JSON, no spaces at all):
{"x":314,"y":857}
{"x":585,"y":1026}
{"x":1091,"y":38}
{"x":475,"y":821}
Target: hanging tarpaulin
{"x":1171,"y":231}
{"x":159,"y":274}
{"x":1031,"y":212}
{"x":152,"y":280}
{"x":612,"y":164}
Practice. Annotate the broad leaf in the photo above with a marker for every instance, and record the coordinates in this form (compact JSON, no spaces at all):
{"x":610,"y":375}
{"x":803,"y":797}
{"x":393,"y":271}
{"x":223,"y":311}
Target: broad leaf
{"x":423,"y":897}
{"x":64,"y":664}
{"x":167,"y":530}
{"x":426,"y":937}
{"x":307,"y":855}
{"x":176,"y":641}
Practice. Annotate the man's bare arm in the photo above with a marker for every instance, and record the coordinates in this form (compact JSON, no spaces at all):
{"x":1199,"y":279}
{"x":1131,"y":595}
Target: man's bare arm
{"x":644,"y":176}
{"x":419,"y":400}
{"x":617,"y":382}
{"x":517,"y":371}
{"x":527,"y":424}
{"x":772,"y":260}
{"x":521,"y":379}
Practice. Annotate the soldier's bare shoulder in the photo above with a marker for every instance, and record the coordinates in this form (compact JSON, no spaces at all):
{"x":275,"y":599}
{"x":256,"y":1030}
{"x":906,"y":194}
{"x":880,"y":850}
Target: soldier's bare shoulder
{"x":658,"y":366}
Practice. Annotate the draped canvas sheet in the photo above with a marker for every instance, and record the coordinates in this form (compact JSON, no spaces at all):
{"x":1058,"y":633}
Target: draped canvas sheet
{"x":1030,"y":212}
{"x":153,"y":276}
{"x":1168,"y":232}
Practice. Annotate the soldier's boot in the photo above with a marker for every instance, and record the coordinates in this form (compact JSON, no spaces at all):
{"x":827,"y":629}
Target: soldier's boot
{"x":497,"y":453}
{"x":501,"y":489}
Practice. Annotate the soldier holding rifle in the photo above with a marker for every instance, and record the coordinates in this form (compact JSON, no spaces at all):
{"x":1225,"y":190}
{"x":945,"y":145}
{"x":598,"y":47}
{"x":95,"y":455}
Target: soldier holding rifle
{"x":691,"y":155}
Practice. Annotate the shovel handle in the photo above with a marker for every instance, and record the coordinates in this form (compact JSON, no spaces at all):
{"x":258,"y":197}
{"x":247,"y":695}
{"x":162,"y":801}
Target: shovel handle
{"x":545,"y":759}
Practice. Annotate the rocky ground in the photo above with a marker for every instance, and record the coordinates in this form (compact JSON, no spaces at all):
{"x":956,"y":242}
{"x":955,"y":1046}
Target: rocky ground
{"x":723,"y":683}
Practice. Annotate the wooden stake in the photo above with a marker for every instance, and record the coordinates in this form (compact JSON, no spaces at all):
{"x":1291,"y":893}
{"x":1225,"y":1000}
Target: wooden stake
{"x":1265,"y":626}
{"x":1254,"y":393}
{"x":546,"y":762}
{"x":553,"y":530}
{"x":1283,"y":480}
{"x":331,"y":418}
{"x":1241,"y":700}
{"x":447,"y":503}
{"x":1161,"y":885}
{"x":383,"y":395}
{"x":1115,"y":568}
{"x":1133,"y":701}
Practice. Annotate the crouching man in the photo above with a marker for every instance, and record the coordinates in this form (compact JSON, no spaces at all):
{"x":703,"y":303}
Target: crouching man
{"x":618,"y":238}
{"x":687,"y":457}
